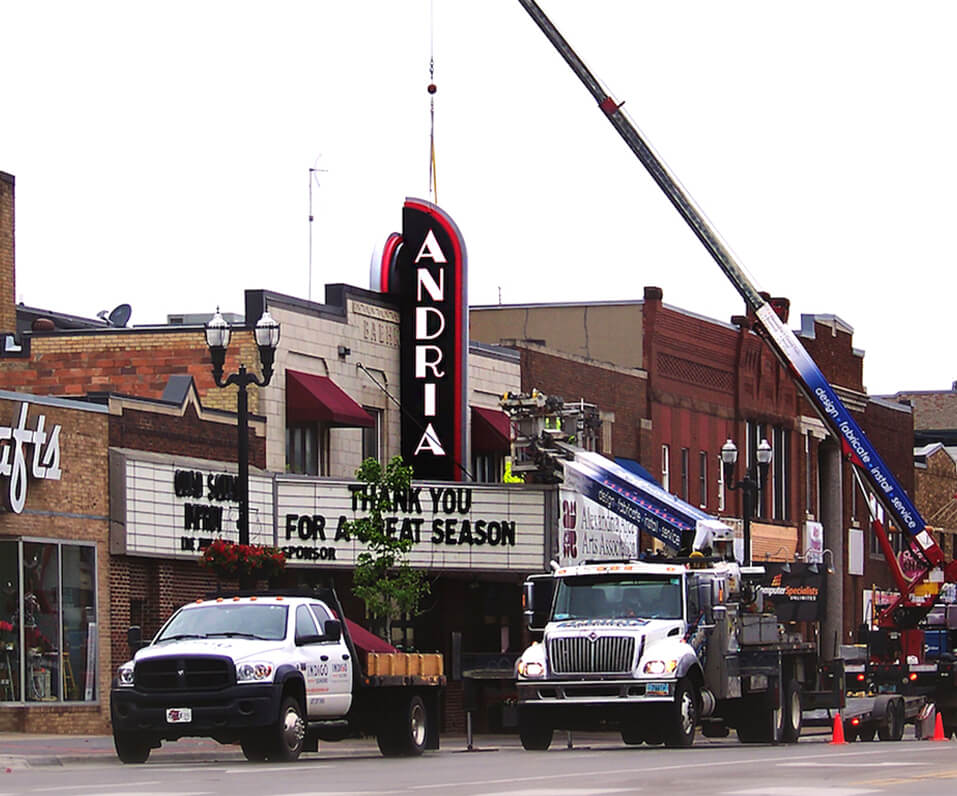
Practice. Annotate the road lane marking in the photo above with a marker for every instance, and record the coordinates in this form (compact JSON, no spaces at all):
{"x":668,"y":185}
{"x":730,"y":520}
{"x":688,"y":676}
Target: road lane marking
{"x":562,"y":792}
{"x":644,"y":769}
{"x":804,"y":790}
{"x":124,"y":784}
{"x":868,"y":763}
{"x":952,"y":774}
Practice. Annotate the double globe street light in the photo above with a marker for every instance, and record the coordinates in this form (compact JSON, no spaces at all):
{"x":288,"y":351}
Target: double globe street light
{"x":267,"y":338}
{"x":752,"y":483}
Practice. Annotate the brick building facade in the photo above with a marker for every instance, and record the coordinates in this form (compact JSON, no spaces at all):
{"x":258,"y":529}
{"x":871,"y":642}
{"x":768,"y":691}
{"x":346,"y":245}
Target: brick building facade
{"x":160,"y":411}
{"x":55,"y":622}
{"x":682,"y":384}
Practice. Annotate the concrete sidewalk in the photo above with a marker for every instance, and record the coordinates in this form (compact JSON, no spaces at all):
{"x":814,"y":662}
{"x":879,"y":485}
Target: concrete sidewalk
{"x":19,"y":751}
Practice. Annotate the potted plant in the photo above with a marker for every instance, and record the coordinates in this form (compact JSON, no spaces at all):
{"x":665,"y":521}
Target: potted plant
{"x":246,"y":562}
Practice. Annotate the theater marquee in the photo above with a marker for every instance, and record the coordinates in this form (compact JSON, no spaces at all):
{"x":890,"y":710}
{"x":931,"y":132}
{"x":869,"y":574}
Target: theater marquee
{"x":172,"y":507}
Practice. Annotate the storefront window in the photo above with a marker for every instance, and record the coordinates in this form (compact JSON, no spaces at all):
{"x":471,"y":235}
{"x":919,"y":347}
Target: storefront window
{"x":41,"y":621}
{"x":9,"y":622}
{"x":79,"y":623}
{"x":48,"y":629}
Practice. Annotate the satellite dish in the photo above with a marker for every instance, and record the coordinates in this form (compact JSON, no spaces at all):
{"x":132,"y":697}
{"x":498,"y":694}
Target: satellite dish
{"x":120,"y":315}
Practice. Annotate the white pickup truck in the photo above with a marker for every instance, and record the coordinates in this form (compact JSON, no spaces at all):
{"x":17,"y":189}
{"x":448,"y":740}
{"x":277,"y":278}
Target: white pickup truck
{"x":274,"y":673}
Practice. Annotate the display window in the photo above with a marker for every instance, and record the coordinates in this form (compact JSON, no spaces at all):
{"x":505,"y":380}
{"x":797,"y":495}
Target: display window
{"x":48,"y":624}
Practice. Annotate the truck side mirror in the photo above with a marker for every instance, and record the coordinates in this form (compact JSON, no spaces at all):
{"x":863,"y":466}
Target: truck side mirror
{"x":333,"y":629}
{"x":537,"y":593}
{"x":134,"y":637}
{"x":704,"y":601}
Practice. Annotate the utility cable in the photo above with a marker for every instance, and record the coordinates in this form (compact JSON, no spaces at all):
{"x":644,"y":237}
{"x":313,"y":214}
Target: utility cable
{"x":408,"y":414}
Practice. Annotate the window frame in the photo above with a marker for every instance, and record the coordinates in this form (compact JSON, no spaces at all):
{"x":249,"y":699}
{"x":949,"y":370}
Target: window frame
{"x":19,"y":649}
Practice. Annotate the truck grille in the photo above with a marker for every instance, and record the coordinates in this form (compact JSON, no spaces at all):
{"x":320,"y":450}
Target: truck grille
{"x":582,"y":655}
{"x":196,"y":673}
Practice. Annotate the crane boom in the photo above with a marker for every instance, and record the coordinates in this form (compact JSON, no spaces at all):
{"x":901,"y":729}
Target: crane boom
{"x":854,"y":443}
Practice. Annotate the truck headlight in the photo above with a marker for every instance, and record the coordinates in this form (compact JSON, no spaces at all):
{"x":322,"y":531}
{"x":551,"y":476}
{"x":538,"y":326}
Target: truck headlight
{"x":659,"y":667}
{"x":531,"y":669}
{"x":253,"y":672}
{"x":124,"y":675}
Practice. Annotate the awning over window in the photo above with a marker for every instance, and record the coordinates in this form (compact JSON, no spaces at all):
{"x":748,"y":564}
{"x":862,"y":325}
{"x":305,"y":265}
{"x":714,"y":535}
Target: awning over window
{"x":491,"y":431}
{"x":366,"y":641}
{"x":318,"y":398}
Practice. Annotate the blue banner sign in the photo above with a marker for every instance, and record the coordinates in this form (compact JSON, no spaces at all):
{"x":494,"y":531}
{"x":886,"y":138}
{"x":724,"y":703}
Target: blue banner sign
{"x":855,"y":445}
{"x":640,"y":502}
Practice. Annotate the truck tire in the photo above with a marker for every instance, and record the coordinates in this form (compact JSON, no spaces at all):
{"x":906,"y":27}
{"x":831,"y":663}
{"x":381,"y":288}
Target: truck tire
{"x":682,"y":716}
{"x":285,"y":738}
{"x":632,"y":736}
{"x":791,"y":716}
{"x":892,"y":729}
{"x":866,"y":732}
{"x":132,"y":747}
{"x":536,"y":736}
{"x":255,"y":746}
{"x":405,"y":730}
{"x":756,"y":721}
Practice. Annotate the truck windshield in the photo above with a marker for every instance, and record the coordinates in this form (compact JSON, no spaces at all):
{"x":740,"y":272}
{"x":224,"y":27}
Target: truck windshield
{"x":618,"y":595}
{"x":245,"y":619}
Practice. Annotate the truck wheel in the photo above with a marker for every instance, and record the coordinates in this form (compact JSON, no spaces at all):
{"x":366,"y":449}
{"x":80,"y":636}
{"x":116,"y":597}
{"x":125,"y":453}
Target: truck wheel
{"x":132,"y":747}
{"x":255,"y":747}
{"x":682,"y":716}
{"x":892,"y":729}
{"x":756,"y":720}
{"x":288,"y":733}
{"x":632,"y":736}
{"x":404,"y":732}
{"x":791,"y":713}
{"x":535,"y":735}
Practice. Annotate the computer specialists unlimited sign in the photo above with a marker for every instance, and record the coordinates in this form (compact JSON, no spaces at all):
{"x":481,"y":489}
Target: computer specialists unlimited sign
{"x":452,"y":526}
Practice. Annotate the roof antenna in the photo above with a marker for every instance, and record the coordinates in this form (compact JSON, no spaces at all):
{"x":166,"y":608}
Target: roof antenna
{"x":312,"y":177}
{"x":433,"y":178}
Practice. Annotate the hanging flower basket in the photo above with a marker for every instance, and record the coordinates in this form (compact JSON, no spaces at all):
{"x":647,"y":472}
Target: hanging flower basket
{"x":230,"y":560}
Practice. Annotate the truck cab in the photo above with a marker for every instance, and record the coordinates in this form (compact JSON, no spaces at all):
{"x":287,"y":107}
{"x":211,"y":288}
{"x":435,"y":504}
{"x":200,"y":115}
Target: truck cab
{"x":620,"y":648}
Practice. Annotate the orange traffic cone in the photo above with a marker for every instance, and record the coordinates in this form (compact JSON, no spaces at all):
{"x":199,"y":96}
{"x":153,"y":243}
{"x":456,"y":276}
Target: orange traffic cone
{"x":939,"y":729}
{"x":838,"y":736}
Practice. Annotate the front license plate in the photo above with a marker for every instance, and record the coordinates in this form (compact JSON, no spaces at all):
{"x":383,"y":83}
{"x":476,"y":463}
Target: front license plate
{"x":179,"y":715}
{"x":657,"y":689}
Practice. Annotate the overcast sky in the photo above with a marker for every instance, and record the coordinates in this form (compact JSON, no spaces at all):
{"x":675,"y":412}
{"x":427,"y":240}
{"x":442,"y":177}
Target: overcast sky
{"x":163,"y":152}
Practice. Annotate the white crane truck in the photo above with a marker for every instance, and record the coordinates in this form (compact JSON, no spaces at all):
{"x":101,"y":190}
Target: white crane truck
{"x":897,"y":656}
{"x":656,"y":649}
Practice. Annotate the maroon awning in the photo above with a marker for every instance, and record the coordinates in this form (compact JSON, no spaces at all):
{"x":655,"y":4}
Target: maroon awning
{"x":491,"y":431}
{"x":366,"y":641}
{"x":310,"y":397}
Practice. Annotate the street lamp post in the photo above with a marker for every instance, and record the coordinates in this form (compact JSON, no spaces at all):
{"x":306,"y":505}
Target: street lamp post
{"x":267,"y":338}
{"x":752,"y":483}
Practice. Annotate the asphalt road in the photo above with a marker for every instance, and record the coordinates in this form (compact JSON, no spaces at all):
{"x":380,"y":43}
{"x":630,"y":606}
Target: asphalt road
{"x":593,"y":765}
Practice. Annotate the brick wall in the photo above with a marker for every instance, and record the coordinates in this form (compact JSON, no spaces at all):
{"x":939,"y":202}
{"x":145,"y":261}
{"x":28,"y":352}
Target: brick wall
{"x":8,"y":312}
{"x":612,"y":389}
{"x":74,"y":508}
{"x":129,"y":362}
{"x":186,"y":436}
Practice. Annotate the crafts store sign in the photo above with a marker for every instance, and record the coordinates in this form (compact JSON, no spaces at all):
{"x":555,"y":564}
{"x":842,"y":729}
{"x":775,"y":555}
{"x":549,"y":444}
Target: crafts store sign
{"x":27,"y":454}
{"x":452,"y":526}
